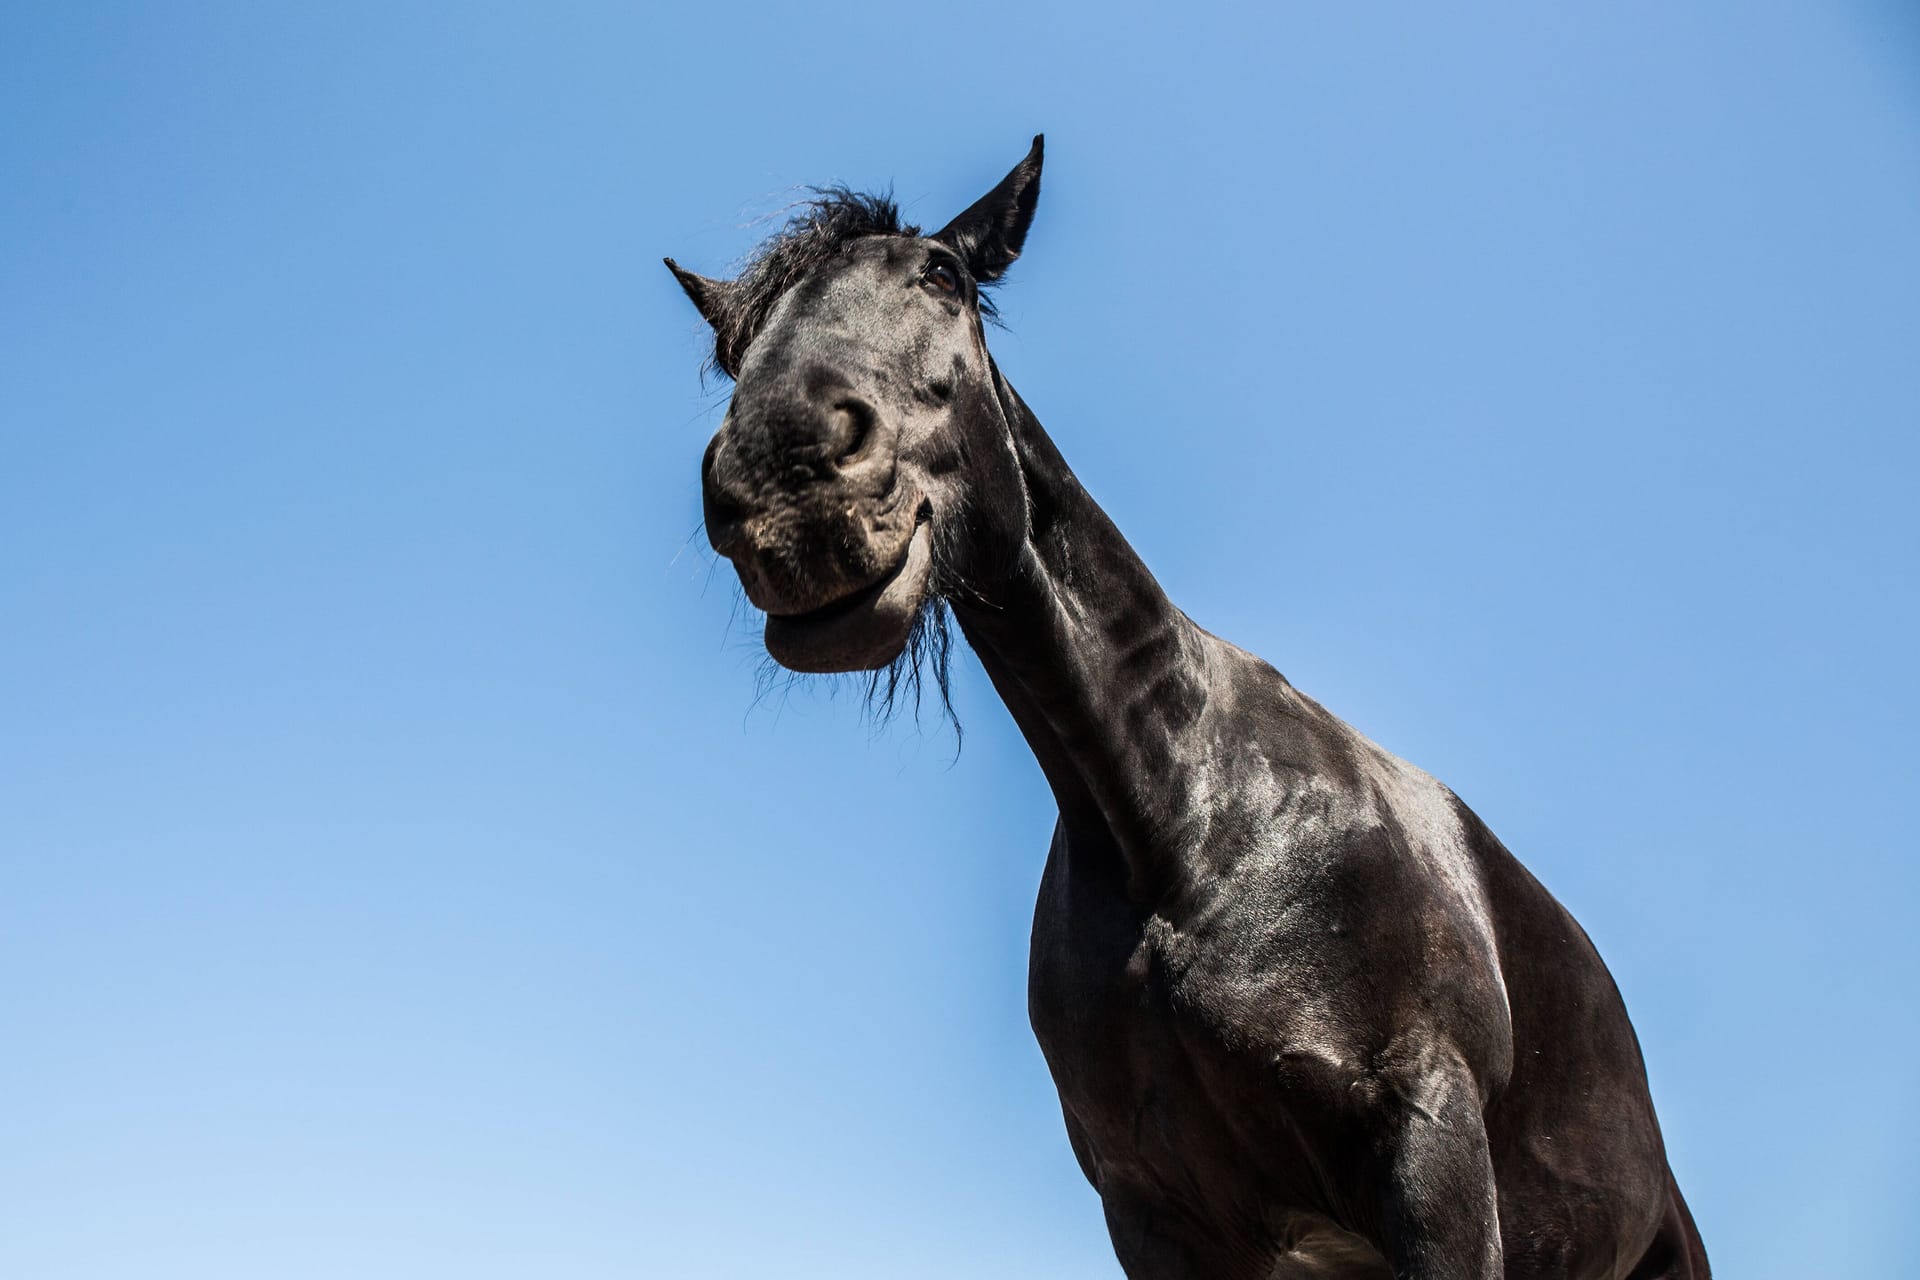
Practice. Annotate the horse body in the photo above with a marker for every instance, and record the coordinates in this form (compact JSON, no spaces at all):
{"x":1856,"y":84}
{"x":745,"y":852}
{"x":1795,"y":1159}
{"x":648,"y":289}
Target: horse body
{"x":1306,"y":1015}
{"x":1295,"y":996}
{"x":1246,"y":1064}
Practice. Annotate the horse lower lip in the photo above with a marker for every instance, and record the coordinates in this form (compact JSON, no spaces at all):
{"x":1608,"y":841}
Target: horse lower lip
{"x":854,"y":599}
{"x":862,"y":630}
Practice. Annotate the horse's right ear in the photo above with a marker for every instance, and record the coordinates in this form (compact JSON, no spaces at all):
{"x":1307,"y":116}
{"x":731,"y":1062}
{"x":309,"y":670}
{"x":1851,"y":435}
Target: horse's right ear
{"x":989,"y":234}
{"x":708,"y":294}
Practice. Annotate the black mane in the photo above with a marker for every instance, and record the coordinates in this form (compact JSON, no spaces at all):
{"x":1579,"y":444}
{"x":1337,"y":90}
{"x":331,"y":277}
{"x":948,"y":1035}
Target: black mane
{"x":820,"y":230}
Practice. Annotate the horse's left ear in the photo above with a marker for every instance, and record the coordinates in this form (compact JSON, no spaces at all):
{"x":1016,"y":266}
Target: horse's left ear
{"x":989,"y":234}
{"x":706,"y":293}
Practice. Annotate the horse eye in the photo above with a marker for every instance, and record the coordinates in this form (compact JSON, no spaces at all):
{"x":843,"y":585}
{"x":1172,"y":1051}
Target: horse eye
{"x":942,"y":277}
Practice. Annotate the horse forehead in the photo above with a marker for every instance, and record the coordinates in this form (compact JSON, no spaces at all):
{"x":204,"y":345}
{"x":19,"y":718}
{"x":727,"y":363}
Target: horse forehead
{"x":861,"y":268}
{"x":884,"y":250}
{"x":849,"y":296}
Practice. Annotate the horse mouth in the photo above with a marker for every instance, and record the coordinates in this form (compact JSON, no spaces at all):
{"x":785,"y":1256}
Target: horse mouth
{"x":863,"y":630}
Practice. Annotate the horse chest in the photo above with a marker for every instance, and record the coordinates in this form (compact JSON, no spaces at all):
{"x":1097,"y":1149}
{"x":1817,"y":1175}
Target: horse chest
{"x":1155,"y":1041}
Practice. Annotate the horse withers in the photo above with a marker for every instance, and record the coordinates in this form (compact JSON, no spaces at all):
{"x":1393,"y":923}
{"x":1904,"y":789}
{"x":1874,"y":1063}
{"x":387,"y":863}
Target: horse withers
{"x":1306,"y":1015}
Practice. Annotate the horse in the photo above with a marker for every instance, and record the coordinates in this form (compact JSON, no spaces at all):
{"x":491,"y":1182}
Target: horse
{"x":1306,"y":1015}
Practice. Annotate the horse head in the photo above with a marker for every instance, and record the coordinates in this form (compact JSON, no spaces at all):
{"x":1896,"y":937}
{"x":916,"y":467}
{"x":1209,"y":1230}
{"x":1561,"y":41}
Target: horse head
{"x":865,"y":463}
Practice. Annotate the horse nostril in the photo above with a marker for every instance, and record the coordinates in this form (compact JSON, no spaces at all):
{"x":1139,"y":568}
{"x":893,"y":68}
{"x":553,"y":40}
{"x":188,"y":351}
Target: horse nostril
{"x":725,"y":520}
{"x":853,"y":423}
{"x":725,"y":517}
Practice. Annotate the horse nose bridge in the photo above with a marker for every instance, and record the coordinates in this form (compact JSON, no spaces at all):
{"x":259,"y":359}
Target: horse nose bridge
{"x":808,"y":423}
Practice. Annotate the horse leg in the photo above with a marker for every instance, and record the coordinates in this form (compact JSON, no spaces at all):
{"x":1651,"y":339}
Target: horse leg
{"x":1676,"y":1252}
{"x":1150,"y":1247}
{"x":1439,"y":1213}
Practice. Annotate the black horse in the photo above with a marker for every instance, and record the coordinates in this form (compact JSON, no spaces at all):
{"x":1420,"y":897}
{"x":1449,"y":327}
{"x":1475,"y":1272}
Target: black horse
{"x":1306,"y":1015}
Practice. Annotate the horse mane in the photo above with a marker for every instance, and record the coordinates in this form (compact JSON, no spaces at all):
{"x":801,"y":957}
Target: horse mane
{"x":819,"y":230}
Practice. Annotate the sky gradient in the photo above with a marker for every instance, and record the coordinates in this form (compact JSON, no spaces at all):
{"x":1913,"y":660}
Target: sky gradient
{"x":403,"y":869}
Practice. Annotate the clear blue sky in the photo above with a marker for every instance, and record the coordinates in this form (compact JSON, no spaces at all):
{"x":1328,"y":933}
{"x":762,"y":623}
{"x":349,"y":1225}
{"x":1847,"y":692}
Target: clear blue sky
{"x":399,"y":876}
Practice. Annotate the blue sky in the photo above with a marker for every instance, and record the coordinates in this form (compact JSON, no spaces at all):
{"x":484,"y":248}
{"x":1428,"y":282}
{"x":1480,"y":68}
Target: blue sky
{"x":400,"y":874}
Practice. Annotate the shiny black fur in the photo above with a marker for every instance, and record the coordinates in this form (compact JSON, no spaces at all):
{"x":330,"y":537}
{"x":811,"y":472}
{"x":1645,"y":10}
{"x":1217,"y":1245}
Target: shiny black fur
{"x":1306,"y":1015}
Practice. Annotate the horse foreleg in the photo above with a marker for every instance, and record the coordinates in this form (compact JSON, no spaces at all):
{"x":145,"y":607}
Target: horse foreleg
{"x":1439,"y":1214}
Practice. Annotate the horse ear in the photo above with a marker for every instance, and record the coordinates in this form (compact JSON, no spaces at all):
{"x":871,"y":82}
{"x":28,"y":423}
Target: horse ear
{"x":708,"y":294}
{"x":989,"y":234}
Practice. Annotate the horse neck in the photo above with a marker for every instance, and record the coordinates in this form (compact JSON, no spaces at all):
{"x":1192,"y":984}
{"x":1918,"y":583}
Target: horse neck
{"x":1106,"y":679}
